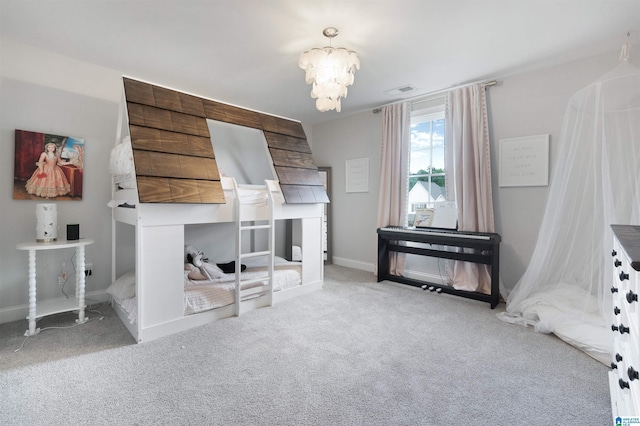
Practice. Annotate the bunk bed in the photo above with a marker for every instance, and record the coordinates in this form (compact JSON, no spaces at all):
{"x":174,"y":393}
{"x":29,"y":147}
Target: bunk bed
{"x":164,"y":296}
{"x":162,"y":299}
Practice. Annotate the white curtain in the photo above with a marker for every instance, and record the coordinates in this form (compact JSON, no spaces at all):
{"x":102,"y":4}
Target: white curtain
{"x":394,"y":165}
{"x":468,"y":168}
{"x":595,"y":183}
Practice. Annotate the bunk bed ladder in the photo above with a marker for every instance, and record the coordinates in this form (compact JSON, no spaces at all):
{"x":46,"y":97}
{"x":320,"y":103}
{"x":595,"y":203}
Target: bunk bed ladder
{"x":245,"y":288}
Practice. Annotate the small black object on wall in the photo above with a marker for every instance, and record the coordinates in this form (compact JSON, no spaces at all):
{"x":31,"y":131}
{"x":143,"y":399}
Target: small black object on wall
{"x":73,"y":232}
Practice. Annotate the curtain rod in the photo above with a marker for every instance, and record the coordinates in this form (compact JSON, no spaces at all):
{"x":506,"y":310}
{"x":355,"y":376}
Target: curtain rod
{"x":432,"y":95}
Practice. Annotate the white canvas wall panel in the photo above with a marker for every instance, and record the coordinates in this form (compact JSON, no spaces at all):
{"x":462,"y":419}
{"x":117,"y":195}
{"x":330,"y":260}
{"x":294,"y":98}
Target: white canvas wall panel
{"x":312,"y":254}
{"x":178,"y":214}
{"x":294,"y":211}
{"x":159,"y":274}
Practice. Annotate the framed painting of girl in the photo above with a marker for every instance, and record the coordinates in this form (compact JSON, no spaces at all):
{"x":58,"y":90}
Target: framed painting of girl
{"x":47,"y":166}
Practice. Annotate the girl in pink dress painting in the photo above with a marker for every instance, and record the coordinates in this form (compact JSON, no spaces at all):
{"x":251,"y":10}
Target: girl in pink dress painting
{"x":48,"y":180}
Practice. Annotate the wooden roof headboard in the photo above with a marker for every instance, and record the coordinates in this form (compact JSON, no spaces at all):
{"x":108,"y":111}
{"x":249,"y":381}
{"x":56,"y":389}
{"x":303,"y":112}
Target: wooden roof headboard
{"x":174,"y":158}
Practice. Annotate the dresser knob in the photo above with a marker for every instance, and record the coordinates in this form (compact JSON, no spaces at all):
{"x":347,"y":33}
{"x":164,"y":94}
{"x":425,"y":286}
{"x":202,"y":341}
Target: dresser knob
{"x":632,"y":297}
{"x":617,"y":263}
{"x":614,"y":365}
{"x":633,"y":374}
{"x":623,"y":276}
{"x":618,"y":357}
{"x":616,"y":311}
{"x":622,"y":329}
{"x":623,"y":384}
{"x":613,"y":253}
{"x":614,"y":289}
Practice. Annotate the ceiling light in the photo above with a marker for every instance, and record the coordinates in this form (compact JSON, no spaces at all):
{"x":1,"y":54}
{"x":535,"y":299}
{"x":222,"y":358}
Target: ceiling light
{"x":330,"y":70}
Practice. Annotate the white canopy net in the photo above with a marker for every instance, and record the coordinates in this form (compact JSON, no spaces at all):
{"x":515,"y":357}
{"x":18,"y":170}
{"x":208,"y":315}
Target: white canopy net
{"x":596,"y":182}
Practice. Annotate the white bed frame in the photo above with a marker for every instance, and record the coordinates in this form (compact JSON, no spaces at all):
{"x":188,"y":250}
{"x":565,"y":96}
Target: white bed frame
{"x":159,"y":254}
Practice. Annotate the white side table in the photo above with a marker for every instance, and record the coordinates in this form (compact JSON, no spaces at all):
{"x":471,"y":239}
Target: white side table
{"x":37,"y":310}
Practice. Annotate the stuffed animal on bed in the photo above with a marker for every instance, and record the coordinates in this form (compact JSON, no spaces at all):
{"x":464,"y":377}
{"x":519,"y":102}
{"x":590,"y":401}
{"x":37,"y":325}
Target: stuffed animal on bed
{"x":194,"y":262}
{"x":198,"y":267}
{"x":196,"y":259}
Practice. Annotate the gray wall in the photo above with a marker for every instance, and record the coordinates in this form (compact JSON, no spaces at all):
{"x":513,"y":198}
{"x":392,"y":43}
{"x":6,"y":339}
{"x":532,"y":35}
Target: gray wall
{"x":353,"y":214}
{"x":524,"y":104}
{"x":43,"y":92}
{"x":531,"y":104}
{"x":28,"y":106}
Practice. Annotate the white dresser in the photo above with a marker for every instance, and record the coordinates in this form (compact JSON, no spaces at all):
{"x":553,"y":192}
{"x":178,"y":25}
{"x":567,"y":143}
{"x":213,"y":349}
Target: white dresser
{"x":624,"y":380}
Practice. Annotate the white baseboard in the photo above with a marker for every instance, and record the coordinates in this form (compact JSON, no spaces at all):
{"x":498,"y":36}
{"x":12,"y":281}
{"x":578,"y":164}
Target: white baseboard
{"x":425,"y":276}
{"x":21,"y":312}
{"x":370,"y":267}
{"x":355,"y":264}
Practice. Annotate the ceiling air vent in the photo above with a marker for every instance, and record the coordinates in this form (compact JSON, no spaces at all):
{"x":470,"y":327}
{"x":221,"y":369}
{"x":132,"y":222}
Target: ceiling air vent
{"x":401,"y":90}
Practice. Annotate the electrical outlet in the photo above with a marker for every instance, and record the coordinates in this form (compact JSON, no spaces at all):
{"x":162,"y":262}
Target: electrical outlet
{"x":88,"y":269}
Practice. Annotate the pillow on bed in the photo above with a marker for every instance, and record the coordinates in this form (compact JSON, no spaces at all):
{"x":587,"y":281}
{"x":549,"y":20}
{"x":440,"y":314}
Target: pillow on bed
{"x":121,"y":158}
{"x":126,"y":181}
{"x":124,"y":287}
{"x":195,"y":273}
{"x":121,"y":165}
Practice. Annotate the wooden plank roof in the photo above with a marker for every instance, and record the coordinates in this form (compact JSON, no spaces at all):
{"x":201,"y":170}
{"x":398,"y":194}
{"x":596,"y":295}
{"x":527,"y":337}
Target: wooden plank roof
{"x":175,"y":161}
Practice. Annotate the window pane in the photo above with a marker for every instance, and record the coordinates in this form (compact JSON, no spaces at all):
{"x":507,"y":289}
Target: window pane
{"x":426,"y":162}
{"x":438,"y":159}
{"x":438,"y":144}
{"x":420,"y":147}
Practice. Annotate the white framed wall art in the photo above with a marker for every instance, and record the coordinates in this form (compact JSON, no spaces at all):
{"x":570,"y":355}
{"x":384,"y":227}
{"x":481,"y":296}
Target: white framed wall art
{"x":524,"y":161}
{"x":357,"y":175}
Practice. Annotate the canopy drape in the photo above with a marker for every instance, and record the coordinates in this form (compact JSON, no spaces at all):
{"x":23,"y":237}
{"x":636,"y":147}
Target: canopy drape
{"x":595,"y":183}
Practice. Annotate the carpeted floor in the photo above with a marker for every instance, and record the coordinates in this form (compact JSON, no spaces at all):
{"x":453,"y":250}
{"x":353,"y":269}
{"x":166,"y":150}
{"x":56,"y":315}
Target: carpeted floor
{"x":61,"y":337}
{"x":355,"y":353}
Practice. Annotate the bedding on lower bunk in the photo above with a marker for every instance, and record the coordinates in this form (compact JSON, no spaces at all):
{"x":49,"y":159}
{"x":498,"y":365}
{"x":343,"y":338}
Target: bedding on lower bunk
{"x":215,"y":291}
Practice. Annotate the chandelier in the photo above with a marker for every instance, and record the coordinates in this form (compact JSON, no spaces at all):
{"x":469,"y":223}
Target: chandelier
{"x":330,"y":70}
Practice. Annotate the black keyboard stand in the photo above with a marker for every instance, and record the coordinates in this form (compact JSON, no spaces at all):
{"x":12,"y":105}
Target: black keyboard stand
{"x":486,"y":251}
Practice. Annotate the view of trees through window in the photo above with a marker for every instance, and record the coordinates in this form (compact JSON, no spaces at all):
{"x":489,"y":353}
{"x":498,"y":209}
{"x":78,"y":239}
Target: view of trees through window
{"x":426,"y":166}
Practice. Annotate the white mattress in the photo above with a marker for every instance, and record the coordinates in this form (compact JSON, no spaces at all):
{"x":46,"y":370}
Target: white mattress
{"x":203,"y":295}
{"x":129,"y":306}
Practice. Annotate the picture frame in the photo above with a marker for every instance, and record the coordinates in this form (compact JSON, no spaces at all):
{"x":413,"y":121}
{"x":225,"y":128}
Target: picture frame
{"x":423,"y":218}
{"x":47,"y":166}
{"x":325,"y":175}
{"x":357,"y":175}
{"x":524,"y":161}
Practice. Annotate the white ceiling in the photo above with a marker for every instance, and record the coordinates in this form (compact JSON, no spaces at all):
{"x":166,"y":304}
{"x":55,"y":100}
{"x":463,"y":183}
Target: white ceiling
{"x":245,"y":52}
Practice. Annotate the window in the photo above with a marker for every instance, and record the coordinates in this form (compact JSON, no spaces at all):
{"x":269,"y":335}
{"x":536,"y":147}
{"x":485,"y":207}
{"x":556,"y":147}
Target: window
{"x":426,"y":185}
